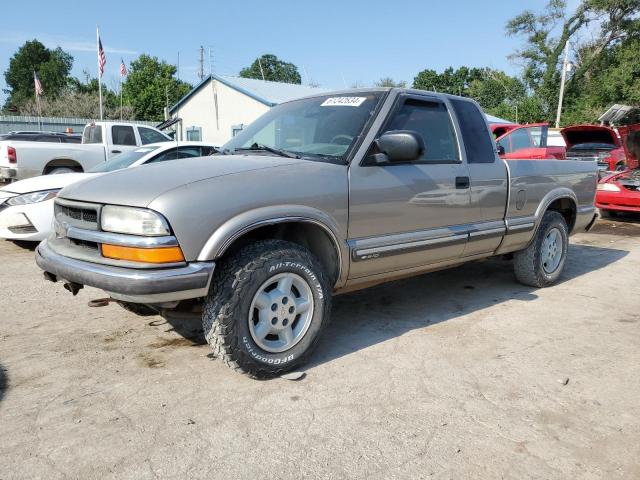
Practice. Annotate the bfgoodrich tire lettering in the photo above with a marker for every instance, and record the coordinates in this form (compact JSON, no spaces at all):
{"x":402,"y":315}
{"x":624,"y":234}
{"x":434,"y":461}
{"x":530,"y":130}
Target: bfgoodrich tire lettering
{"x":531,"y":265}
{"x":228,"y":307}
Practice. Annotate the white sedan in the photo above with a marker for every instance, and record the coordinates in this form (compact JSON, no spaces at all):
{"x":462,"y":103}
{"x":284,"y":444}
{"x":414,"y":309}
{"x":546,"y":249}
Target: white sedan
{"x":26,"y":207}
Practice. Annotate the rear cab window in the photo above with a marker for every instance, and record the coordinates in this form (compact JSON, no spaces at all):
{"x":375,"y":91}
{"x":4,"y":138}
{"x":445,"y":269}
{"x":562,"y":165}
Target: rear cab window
{"x":92,"y":134}
{"x":478,"y":143}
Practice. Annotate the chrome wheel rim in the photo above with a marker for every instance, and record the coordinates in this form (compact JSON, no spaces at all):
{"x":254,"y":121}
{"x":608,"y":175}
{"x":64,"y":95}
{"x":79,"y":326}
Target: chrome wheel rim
{"x":552,"y":249}
{"x":281,"y":312}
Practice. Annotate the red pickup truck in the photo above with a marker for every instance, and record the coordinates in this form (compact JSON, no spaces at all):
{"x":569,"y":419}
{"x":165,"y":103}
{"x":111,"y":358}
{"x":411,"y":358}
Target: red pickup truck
{"x":595,"y":142}
{"x":525,"y":141}
{"x":620,"y":192}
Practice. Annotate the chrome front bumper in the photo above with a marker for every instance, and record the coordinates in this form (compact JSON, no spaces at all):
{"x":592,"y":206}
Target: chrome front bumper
{"x":128,"y":284}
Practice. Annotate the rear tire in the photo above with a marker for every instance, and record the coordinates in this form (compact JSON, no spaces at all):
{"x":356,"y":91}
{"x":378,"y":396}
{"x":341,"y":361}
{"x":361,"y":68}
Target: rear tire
{"x":541,"y":263}
{"x":58,"y":170}
{"x":139,"y":309}
{"x":266,"y":308}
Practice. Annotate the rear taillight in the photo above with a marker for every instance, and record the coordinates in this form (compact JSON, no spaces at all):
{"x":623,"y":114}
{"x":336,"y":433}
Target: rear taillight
{"x":11,"y":154}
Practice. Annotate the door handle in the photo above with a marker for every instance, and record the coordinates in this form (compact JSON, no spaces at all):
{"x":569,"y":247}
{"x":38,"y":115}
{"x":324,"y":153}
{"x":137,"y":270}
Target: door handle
{"x":462,"y":182}
{"x":116,"y":151}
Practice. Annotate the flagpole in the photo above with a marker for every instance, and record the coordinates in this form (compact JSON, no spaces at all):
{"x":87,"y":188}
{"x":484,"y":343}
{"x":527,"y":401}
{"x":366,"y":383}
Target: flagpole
{"x":99,"y":74}
{"x":120,"y":97}
{"x":37,"y":101}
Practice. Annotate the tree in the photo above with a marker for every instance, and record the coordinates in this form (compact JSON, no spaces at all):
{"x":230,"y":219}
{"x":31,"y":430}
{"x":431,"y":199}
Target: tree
{"x":455,"y":82}
{"x":390,"y":82}
{"x":150,"y":86}
{"x":272,"y":68}
{"x":52,"y":67}
{"x":548,"y":34}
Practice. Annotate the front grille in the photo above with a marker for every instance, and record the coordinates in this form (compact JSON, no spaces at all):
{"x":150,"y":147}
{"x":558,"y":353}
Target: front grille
{"x":77,"y":215}
{"x":92,"y":246}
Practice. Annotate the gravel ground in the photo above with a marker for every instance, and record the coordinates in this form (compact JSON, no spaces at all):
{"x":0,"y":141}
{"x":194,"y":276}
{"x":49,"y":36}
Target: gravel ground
{"x":458,"y":374}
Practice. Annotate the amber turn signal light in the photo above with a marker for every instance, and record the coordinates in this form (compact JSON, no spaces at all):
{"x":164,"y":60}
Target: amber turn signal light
{"x":148,"y":255}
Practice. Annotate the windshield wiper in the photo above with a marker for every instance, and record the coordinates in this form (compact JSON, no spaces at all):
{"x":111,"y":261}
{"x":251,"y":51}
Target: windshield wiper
{"x":267,"y":148}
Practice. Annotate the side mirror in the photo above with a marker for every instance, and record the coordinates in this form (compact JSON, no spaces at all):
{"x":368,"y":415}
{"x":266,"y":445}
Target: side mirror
{"x":500,"y":149}
{"x":401,"y":145}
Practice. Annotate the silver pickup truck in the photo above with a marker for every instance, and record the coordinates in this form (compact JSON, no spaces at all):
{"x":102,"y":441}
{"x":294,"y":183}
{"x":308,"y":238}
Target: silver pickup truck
{"x":318,"y":196}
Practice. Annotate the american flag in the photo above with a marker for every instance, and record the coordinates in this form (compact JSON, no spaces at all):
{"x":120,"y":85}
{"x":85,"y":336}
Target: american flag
{"x":102,"y":60}
{"x":38,"y":85}
{"x":123,"y":69}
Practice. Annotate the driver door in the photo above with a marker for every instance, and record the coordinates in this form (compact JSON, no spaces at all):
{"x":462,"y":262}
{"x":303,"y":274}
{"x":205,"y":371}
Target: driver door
{"x":405,"y":215}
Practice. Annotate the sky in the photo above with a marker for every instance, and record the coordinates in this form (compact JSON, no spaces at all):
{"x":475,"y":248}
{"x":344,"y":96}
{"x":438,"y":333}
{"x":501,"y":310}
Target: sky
{"x":335,"y":43}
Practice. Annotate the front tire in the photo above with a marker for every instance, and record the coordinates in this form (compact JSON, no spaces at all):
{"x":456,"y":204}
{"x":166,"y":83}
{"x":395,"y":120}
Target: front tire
{"x":266,"y":308}
{"x":541,"y":263}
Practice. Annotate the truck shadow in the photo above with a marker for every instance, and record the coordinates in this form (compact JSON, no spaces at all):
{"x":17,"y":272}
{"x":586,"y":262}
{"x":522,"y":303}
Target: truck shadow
{"x":368,"y":317}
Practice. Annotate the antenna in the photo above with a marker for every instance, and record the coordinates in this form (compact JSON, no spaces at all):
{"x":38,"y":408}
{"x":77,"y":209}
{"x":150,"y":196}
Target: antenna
{"x":201,"y":71}
{"x":210,"y":61}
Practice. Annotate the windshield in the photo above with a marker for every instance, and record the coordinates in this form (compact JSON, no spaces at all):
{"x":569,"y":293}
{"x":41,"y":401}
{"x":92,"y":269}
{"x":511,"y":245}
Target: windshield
{"x":123,"y":160}
{"x":325,"y":126}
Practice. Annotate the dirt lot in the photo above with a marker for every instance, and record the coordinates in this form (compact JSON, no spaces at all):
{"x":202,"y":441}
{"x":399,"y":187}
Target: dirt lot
{"x":459,"y":374}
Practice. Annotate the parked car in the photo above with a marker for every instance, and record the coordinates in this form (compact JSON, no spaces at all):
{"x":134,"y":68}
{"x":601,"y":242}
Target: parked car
{"x":620,"y":192}
{"x":26,"y":206}
{"x":597,"y":143}
{"x":318,"y":196}
{"x":528,"y":142}
{"x":100,"y":141}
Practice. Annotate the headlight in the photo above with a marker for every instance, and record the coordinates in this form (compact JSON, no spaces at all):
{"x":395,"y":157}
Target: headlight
{"x":33,"y":197}
{"x":136,"y":221}
{"x":608,"y":187}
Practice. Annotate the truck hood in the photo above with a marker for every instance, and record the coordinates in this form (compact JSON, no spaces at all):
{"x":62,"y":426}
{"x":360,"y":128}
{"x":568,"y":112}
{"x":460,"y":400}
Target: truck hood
{"x":45,"y":182}
{"x":593,"y":134}
{"x":139,"y":186}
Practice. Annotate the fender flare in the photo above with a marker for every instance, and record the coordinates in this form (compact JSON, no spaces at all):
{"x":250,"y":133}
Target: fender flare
{"x":548,"y":199}
{"x":237,"y":226}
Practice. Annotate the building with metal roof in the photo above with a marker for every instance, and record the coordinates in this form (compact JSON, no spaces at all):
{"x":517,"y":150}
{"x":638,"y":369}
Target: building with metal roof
{"x":220,"y":105}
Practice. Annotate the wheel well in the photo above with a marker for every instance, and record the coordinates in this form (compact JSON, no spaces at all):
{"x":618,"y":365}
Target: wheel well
{"x":311,"y":236}
{"x":62,"y":162}
{"x":567,"y":208}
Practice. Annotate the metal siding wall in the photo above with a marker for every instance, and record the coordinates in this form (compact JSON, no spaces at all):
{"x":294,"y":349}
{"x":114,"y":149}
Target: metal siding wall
{"x":10,"y":123}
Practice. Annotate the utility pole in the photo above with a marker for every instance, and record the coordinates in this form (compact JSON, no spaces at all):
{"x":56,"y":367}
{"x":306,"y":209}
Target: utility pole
{"x":201,"y":71}
{"x":260,"y":65}
{"x":565,"y":64}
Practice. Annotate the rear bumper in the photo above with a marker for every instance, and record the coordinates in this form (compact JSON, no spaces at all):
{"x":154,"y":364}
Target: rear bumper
{"x":8,"y":173}
{"x":129,"y":284}
{"x":585,"y":218}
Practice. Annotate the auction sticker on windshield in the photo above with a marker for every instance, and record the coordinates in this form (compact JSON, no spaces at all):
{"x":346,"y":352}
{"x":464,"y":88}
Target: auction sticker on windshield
{"x":343,"y":102}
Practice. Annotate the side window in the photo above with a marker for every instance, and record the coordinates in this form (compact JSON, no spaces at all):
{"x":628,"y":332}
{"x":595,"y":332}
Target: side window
{"x":431,"y":120}
{"x":478,"y":144}
{"x":206,"y":151}
{"x":505,"y":143}
{"x":520,"y":140}
{"x":189,"y":152}
{"x":171,"y":154}
{"x":148,"y":135}
{"x":123,"y":135}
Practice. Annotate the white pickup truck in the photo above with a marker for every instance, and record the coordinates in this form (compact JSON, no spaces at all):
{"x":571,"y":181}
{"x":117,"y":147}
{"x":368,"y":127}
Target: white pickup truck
{"x":100,"y":141}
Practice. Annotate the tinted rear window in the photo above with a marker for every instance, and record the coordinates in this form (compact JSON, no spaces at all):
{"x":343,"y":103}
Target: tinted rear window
{"x":477,"y":141}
